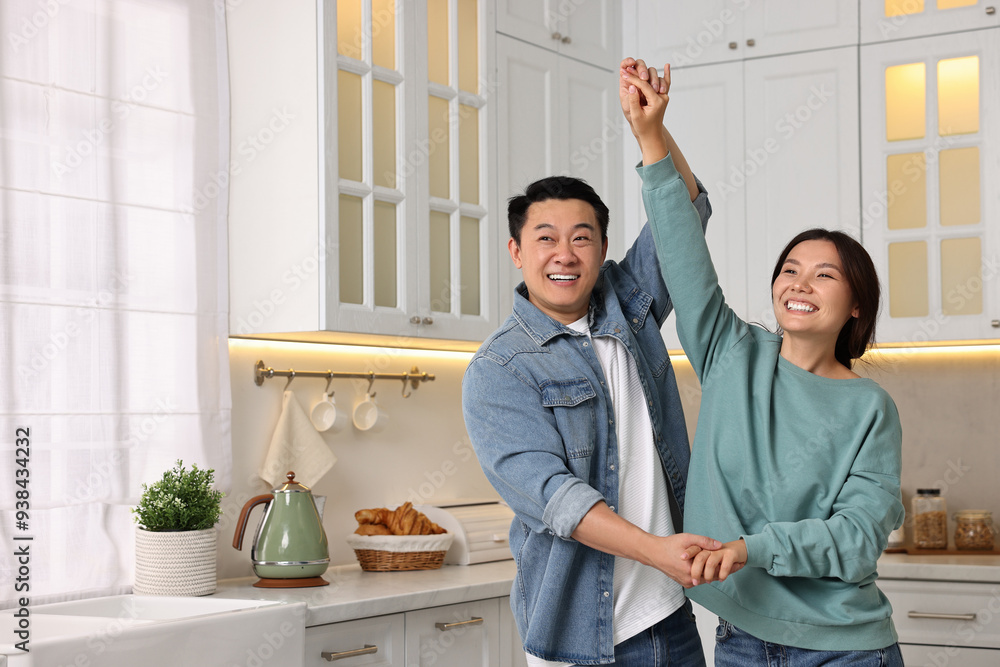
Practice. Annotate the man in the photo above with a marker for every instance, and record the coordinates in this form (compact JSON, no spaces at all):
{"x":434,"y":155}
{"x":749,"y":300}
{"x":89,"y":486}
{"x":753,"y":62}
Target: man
{"x":574,"y":413}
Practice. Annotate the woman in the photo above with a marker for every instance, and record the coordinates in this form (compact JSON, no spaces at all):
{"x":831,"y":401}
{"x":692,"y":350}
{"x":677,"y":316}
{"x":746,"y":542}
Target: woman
{"x":796,"y":459}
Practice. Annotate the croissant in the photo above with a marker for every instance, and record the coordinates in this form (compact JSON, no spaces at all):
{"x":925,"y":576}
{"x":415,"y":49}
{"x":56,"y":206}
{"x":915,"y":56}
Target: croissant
{"x":404,"y":520}
{"x":378,"y":515}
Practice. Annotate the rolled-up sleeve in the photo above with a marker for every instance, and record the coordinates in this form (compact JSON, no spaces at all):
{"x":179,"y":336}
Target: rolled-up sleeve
{"x":520,"y":449}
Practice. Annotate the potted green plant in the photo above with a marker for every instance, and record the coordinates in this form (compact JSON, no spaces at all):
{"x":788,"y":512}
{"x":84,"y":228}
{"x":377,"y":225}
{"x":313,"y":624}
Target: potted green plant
{"x":175,"y":542}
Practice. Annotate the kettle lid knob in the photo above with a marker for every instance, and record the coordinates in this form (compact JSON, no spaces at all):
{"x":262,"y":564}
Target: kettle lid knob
{"x":292,"y":485}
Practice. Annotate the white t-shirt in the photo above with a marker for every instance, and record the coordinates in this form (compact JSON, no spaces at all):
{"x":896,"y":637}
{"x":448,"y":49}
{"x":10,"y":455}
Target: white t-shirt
{"x":643,"y":595}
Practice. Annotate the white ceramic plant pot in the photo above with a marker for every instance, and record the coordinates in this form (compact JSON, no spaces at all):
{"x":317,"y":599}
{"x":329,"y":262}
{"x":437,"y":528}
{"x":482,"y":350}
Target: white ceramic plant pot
{"x":175,"y":563}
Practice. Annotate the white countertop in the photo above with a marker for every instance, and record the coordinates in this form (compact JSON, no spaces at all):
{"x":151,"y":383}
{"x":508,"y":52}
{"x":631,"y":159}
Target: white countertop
{"x":353,"y":593}
{"x":985,"y":569}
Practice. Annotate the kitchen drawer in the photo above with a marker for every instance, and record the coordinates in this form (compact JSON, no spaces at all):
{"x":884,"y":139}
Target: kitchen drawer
{"x":458,"y":635}
{"x":385,"y":633}
{"x":979,"y":602}
{"x":941,"y":656}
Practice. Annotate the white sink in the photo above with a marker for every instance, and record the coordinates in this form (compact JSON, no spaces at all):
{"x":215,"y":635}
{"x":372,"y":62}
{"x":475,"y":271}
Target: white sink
{"x":131,"y":630}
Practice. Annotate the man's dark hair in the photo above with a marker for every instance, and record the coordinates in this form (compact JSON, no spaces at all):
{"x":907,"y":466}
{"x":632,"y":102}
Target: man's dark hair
{"x":553,"y":187}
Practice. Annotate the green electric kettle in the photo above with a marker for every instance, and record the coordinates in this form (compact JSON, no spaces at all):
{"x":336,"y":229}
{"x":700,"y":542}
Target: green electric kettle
{"x":290,"y":549}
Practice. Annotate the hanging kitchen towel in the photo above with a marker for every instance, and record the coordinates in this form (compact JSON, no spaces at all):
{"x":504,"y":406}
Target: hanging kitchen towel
{"x":295,"y":446}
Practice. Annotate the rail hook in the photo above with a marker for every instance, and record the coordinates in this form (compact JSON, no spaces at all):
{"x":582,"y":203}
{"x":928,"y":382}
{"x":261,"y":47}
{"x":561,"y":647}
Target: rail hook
{"x":291,"y":376}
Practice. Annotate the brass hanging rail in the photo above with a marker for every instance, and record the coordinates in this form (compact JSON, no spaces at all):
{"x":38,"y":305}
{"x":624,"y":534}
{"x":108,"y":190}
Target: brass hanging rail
{"x":413,"y":377}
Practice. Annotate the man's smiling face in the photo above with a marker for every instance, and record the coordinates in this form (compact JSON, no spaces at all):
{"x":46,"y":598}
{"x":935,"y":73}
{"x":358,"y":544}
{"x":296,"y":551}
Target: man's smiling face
{"x":560,"y":255}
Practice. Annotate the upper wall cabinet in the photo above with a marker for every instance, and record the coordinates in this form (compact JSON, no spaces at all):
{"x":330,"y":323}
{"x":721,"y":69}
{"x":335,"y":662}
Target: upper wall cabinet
{"x":711,"y":31}
{"x":930,"y":167}
{"x":884,"y":20}
{"x":775,"y":141}
{"x":557,"y":115}
{"x":367,"y":209}
{"x":583,"y":29}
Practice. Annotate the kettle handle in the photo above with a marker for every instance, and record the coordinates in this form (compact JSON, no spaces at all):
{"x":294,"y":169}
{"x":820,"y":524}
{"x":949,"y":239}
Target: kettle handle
{"x":241,"y":523}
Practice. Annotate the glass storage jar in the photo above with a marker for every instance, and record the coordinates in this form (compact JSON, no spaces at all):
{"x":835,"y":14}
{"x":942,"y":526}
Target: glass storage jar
{"x":930,"y":520}
{"x":974,"y":530}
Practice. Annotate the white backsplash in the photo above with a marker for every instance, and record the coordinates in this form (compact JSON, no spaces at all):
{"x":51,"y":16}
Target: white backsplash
{"x":949,"y":404}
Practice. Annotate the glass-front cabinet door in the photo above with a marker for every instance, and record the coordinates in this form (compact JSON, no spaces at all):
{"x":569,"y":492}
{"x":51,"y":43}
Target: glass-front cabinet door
{"x":930,"y":164}
{"x":407,"y":178}
{"x":887,"y":20}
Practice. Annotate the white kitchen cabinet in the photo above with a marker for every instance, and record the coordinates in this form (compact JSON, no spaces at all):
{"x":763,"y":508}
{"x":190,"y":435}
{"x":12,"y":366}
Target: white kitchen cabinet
{"x":557,"y":116}
{"x":711,"y":31}
{"x":945,"y":623}
{"x":930,"y":163}
{"x":362,"y":198}
{"x":586,"y":30}
{"x":904,"y":19}
{"x":774,"y":140}
{"x":377,"y":642}
{"x":457,"y":635}
{"x":511,"y":650}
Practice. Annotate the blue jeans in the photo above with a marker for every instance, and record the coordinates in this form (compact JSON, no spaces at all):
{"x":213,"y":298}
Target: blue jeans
{"x":673,"y":642}
{"x":735,"y":648}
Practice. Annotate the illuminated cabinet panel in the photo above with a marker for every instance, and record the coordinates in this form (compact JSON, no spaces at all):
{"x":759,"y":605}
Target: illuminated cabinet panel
{"x":888,"y":20}
{"x":929,"y":161}
{"x":367,"y":206}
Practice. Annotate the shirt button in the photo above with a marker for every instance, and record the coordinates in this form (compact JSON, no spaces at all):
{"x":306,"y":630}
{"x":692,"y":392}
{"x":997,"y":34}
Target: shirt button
{"x":617,"y":330}
{"x":635,"y":320}
{"x":612,"y":508}
{"x":586,"y":344}
{"x":606,"y":594}
{"x":674,"y":477}
{"x":612,"y":466}
{"x":611,"y":421}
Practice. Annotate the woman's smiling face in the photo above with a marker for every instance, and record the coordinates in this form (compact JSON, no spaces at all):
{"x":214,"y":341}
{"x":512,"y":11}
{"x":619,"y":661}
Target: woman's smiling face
{"x":811,"y":295}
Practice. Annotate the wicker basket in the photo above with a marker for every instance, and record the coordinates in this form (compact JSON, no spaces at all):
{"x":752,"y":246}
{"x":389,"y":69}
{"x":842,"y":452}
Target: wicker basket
{"x":175,"y":562}
{"x":390,"y":553}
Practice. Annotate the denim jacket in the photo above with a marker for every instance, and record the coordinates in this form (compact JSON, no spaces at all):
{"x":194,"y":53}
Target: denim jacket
{"x":541,"y":421}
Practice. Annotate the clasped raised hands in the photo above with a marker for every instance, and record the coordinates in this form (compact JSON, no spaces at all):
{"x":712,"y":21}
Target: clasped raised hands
{"x":644,"y":96}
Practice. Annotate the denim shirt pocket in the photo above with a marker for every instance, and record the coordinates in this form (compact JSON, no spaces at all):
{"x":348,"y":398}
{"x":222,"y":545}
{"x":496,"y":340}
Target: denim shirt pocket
{"x":636,"y":309}
{"x":572,"y":405}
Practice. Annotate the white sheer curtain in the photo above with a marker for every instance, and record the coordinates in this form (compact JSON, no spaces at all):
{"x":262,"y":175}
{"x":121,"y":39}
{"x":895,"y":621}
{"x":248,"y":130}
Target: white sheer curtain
{"x":114,"y":118}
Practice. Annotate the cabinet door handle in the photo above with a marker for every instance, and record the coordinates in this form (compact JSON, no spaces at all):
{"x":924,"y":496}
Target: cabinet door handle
{"x":415,"y":319}
{"x":991,"y":11}
{"x":566,"y":40}
{"x":943,"y":617}
{"x":330,"y":656}
{"x":995,"y":324}
{"x":733,"y":45}
{"x":751,"y":42}
{"x":428,"y":321}
{"x":475,"y":620}
{"x":557,"y":35}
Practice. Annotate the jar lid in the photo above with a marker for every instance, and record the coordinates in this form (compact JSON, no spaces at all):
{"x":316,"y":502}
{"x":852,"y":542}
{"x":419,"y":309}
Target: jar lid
{"x":928,"y":492}
{"x":974,"y":514}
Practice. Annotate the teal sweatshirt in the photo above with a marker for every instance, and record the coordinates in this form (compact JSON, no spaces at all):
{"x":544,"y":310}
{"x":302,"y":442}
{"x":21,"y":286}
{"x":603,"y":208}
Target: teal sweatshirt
{"x":804,"y":468}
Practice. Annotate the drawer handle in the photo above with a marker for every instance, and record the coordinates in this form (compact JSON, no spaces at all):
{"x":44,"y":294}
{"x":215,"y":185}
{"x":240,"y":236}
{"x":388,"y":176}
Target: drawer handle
{"x":944,"y":617}
{"x":475,"y":620}
{"x":330,"y":656}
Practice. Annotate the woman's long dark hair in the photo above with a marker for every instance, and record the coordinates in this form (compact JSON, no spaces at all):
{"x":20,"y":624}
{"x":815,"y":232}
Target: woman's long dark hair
{"x":858,"y":334}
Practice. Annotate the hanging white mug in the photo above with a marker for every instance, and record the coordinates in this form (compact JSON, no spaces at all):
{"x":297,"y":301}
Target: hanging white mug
{"x":368,"y":416}
{"x":325,"y":416}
